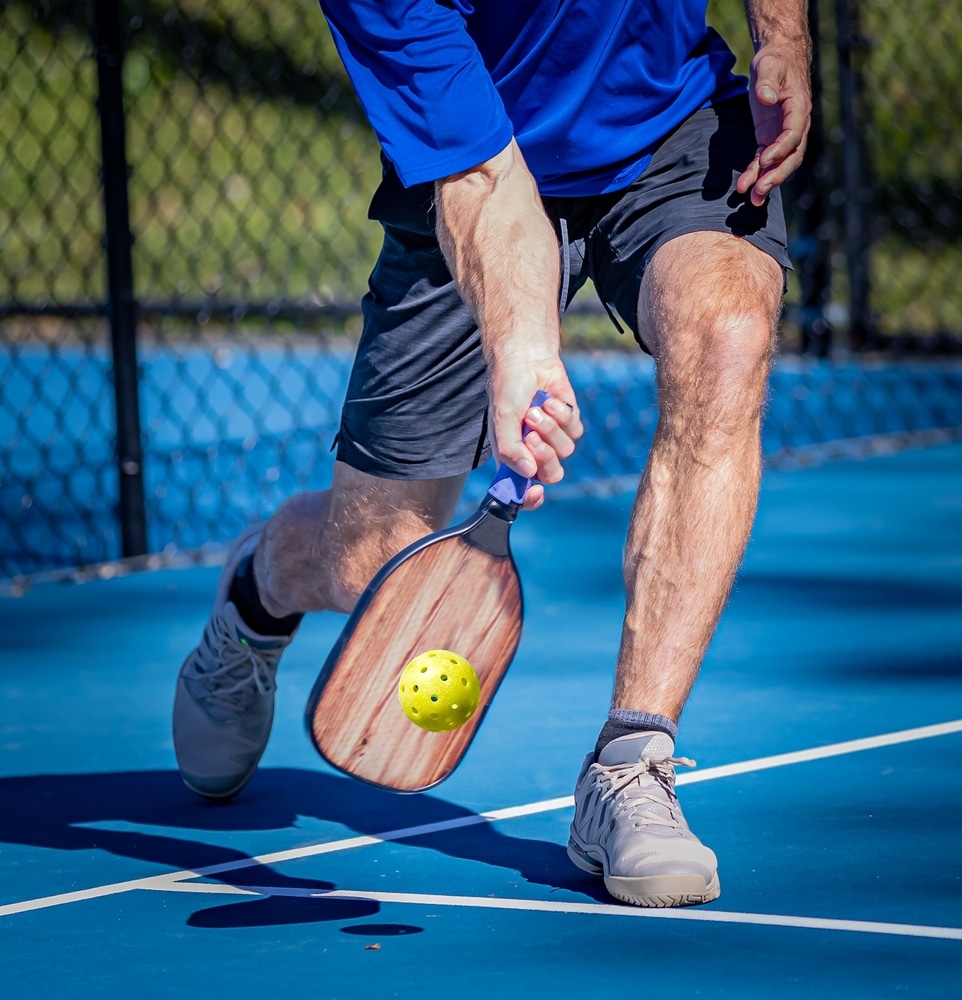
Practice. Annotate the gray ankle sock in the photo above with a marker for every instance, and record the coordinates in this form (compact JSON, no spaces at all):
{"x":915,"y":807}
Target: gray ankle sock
{"x":622,"y":721}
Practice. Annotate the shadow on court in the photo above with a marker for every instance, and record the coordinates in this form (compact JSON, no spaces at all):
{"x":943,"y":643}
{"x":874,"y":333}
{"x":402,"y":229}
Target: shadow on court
{"x":850,"y":594}
{"x":59,"y":812}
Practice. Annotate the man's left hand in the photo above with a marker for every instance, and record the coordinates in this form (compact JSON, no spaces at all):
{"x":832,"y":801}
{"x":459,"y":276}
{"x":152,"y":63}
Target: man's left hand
{"x":780,"y":94}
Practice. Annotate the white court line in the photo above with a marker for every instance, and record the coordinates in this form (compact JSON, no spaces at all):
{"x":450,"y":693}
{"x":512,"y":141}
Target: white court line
{"x":820,"y":753}
{"x":547,"y":805}
{"x":589,"y":909}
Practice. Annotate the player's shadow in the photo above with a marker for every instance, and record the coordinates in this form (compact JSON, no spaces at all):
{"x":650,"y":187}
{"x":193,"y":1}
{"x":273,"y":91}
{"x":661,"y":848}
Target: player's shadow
{"x":149,"y":816}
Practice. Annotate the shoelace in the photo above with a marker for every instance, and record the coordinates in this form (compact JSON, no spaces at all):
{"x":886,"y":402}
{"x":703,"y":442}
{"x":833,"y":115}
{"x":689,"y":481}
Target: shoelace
{"x":241,"y":672}
{"x":623,"y":776}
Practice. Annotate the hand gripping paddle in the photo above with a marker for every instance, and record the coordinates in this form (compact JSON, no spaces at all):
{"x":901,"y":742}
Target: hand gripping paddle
{"x":458,"y":590}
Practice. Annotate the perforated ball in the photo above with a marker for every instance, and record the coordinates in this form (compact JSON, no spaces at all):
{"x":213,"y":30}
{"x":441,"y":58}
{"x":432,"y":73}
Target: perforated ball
{"x":439,"y":690}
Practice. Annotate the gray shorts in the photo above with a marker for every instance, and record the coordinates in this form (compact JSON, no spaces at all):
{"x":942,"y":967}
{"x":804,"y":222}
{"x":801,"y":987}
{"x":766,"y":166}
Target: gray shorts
{"x":416,"y":405}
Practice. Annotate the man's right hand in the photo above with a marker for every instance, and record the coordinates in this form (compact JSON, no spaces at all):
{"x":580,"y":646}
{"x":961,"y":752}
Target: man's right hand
{"x":503,"y":254}
{"x":553,"y":428}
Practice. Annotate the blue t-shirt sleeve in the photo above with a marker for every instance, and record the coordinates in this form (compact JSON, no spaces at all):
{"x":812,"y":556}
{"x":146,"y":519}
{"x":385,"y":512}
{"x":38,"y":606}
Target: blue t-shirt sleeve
{"x":422,"y":83}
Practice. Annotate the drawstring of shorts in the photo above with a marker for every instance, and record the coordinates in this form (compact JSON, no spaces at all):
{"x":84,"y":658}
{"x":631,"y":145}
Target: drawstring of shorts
{"x":565,"y":267}
{"x":566,"y":278}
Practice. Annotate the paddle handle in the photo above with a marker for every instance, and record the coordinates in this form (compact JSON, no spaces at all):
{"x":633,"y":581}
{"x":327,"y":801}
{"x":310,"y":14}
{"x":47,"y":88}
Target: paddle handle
{"x":509,"y":486}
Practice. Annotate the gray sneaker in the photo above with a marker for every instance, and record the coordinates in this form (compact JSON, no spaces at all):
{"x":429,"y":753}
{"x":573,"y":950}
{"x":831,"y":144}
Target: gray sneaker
{"x":224,"y":706}
{"x":628,"y":826}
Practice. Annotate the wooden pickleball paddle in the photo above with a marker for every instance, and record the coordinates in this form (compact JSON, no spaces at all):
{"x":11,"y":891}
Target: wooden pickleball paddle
{"x":457,"y":589}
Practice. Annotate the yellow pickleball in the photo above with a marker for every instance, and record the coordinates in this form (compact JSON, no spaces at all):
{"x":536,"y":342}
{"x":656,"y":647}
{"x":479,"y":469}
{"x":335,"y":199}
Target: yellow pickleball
{"x":439,"y":690}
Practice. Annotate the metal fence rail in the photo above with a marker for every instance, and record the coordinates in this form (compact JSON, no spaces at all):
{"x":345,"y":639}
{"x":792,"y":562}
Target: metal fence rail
{"x":184,"y":244}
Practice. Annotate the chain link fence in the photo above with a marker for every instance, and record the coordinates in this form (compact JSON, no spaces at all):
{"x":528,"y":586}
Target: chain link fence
{"x":184,"y":242}
{"x":911,"y":72}
{"x":249,"y":159}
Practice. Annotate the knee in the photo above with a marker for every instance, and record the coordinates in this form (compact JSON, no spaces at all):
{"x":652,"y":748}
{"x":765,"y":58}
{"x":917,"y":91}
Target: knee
{"x":318,"y":554}
{"x":287,"y":534}
{"x":709,"y":307}
{"x":712,"y":392}
{"x":724,"y":360}
{"x":318,"y":559}
{"x":356,"y":556}
{"x":288,"y":564}
{"x":735,"y":353}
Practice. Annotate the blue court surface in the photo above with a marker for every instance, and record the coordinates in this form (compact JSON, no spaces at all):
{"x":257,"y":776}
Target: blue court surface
{"x":827,"y":725}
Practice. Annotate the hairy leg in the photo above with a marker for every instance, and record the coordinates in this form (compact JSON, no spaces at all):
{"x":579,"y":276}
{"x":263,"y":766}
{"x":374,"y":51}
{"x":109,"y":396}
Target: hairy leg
{"x":707,"y":310}
{"x":319,"y":550}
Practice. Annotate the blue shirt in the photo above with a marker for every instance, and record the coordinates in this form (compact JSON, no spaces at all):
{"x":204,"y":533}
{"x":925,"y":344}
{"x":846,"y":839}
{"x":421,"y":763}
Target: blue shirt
{"x":587,"y":87}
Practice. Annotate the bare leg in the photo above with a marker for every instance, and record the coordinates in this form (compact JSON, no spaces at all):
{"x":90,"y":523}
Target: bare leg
{"x":708,"y":308}
{"x":320,"y":549}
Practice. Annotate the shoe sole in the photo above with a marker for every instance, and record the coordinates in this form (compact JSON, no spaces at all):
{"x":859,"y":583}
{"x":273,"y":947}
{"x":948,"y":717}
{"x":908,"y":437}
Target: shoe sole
{"x":649,"y":890}
{"x":663,"y":890}
{"x":216,"y":796}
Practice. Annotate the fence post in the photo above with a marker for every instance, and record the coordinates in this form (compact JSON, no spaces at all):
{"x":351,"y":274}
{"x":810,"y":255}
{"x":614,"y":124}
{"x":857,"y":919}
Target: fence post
{"x":121,"y":305}
{"x":853,"y":178}
{"x":812,"y":248}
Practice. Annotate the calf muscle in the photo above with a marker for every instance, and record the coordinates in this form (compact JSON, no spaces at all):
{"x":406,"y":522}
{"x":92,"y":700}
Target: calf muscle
{"x":712,"y":333}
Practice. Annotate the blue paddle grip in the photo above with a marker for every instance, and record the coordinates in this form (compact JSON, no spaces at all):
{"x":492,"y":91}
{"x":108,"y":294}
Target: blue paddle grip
{"x":509,"y":486}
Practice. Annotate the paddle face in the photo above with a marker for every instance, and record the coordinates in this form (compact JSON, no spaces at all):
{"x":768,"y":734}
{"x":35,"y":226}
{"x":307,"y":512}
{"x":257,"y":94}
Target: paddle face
{"x":457,"y":589}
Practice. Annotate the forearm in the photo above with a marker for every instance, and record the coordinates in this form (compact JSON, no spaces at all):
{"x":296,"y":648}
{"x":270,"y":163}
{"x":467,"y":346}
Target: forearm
{"x":503,"y":255}
{"x":778,"y":21}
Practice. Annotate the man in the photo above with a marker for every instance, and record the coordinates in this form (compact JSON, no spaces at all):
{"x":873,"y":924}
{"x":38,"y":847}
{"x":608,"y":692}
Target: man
{"x":617,"y":131}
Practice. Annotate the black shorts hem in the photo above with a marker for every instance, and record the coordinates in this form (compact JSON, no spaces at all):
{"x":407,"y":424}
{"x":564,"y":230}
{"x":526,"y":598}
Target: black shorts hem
{"x":382,"y":467}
